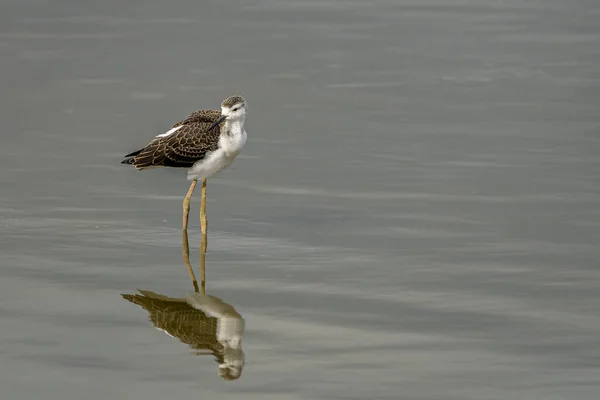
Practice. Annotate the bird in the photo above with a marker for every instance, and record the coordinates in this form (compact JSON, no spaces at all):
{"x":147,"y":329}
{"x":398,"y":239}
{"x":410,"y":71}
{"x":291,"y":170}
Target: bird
{"x":195,"y":143}
{"x":204,"y":322}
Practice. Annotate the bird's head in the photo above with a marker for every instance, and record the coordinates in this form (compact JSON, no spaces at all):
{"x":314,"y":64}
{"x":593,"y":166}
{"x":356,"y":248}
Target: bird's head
{"x":232,"y":109}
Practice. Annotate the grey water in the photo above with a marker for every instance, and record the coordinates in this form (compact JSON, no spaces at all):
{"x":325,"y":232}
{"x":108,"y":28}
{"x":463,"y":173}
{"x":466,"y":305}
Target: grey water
{"x":416,"y":214}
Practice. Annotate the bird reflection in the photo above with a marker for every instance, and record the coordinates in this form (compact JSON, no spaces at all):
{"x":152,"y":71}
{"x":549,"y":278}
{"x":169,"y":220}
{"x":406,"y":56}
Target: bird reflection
{"x":204,"y":322}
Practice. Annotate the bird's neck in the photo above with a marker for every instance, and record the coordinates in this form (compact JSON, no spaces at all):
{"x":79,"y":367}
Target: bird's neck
{"x":234,"y":127}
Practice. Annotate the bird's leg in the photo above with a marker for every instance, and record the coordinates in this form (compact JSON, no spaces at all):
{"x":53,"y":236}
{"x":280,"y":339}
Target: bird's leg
{"x":202,"y":271}
{"x":203,"y":211}
{"x":204,"y":242}
{"x":203,"y":222}
{"x":186,"y":260}
{"x":186,"y":204}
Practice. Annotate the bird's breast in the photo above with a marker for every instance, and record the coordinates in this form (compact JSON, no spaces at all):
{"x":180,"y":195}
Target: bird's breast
{"x":232,"y":144}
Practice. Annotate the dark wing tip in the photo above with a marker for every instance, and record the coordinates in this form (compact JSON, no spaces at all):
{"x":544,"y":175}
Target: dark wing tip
{"x":129,"y":158}
{"x":135,"y":153}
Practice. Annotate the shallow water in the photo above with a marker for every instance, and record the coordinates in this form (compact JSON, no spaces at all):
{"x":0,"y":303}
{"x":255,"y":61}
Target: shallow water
{"x":415,"y":215}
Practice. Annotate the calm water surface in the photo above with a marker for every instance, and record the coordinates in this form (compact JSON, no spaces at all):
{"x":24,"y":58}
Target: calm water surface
{"x":416,"y":214}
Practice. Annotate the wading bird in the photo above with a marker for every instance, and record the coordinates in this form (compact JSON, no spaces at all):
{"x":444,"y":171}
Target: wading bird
{"x":206,"y":142}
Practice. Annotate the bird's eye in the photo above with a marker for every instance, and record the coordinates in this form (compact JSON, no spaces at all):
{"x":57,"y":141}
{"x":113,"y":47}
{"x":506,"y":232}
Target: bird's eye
{"x":235,"y":109}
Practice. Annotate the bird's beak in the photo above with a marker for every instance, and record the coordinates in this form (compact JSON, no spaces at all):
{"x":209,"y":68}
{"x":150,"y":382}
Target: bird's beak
{"x":217,"y":122}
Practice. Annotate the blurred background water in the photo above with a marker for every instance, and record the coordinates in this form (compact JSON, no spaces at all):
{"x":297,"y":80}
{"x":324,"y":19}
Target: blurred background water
{"x":415,"y":215}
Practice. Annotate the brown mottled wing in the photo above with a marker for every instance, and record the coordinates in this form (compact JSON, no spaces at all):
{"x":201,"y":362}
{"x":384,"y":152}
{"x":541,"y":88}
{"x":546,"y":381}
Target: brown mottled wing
{"x":179,"y":319}
{"x":185,"y":146}
{"x":209,"y":116}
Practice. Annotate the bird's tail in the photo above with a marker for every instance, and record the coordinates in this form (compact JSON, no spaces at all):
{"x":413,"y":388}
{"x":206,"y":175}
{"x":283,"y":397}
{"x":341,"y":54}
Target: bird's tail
{"x":129,"y":157}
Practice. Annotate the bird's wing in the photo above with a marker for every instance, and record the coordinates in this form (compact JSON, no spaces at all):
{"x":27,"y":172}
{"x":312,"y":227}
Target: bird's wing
{"x":209,"y":305}
{"x":208,"y":116}
{"x":186,"y":143}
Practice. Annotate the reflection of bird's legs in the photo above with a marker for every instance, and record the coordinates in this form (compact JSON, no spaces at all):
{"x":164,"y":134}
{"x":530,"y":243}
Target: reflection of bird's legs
{"x":204,"y":242}
{"x":186,"y":204}
{"x":186,"y":260}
